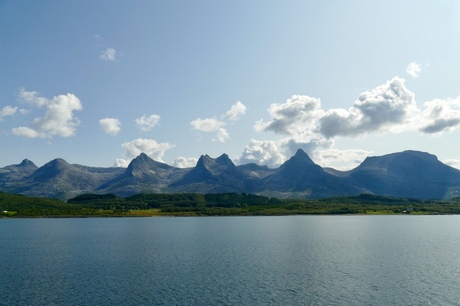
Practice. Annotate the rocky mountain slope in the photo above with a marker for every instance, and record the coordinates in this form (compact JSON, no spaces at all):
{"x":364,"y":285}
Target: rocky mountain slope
{"x":405,"y":174}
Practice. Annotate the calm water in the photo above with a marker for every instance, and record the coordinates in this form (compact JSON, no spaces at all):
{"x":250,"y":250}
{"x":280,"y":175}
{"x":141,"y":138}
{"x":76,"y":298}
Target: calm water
{"x":294,"y":260}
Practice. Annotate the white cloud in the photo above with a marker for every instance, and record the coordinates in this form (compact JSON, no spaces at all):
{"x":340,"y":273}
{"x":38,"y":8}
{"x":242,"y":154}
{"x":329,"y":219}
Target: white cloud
{"x":58,"y":120}
{"x":26,"y":132}
{"x":110,"y":125}
{"x":214,"y":125}
{"x":297,"y":115}
{"x":264,"y":152}
{"x":148,"y":146}
{"x":7,"y":111}
{"x":275,"y":152}
{"x":340,"y":159}
{"x":108,"y":55}
{"x":185,"y":162}
{"x":147,"y":123}
{"x":440,"y":115}
{"x":414,"y":69}
{"x":235,"y":112}
{"x":207,"y":124}
{"x":455,"y":163}
{"x":123,"y":163}
{"x":390,"y":106}
{"x":221,"y":135}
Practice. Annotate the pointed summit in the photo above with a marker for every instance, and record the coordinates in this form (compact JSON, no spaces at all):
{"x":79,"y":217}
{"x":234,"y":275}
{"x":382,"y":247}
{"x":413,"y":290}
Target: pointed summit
{"x":300,"y":160}
{"x":51,"y":169}
{"x":27,"y":163}
{"x":301,"y":156}
{"x":143,"y":164}
{"x":299,"y":173}
{"x":224,"y":160}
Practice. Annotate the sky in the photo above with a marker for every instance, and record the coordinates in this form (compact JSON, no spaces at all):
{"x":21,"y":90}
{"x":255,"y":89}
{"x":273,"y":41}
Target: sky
{"x":98,"y":82}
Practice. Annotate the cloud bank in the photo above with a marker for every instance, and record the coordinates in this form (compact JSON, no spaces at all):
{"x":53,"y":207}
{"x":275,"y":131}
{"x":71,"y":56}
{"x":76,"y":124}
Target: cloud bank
{"x":214,"y":125}
{"x":58,"y":120}
{"x":387,"y":108}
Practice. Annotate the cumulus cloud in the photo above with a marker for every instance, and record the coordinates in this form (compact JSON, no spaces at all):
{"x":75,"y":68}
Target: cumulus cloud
{"x":147,"y":123}
{"x":263,"y":152}
{"x":58,"y":120}
{"x":440,"y":115}
{"x":414,"y":69}
{"x":214,"y":125}
{"x":110,"y":125}
{"x":108,"y":55}
{"x":207,"y":124}
{"x":340,"y":159}
{"x":295,"y":116}
{"x":221,"y":135}
{"x":275,"y":152}
{"x":455,"y":163}
{"x":148,"y":146}
{"x":7,"y":111}
{"x":389,"y":106}
{"x":185,"y":162}
{"x":235,"y":112}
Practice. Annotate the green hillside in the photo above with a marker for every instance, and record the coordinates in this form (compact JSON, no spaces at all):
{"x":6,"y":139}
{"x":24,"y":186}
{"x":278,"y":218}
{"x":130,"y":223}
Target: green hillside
{"x":194,"y":204}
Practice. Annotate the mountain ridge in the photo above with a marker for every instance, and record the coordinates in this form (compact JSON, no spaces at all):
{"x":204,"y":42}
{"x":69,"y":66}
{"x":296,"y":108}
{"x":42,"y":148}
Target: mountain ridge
{"x":408,"y":173}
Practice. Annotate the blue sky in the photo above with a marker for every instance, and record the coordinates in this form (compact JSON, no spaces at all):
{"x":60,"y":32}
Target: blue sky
{"x":99,"y":82}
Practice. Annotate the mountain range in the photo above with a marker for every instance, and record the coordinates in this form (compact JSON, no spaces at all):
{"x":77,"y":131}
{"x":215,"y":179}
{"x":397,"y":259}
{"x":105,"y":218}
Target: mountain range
{"x":410,"y":174}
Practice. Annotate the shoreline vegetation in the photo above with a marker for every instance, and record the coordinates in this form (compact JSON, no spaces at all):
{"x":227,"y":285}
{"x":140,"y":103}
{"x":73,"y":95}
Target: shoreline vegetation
{"x":219,"y":204}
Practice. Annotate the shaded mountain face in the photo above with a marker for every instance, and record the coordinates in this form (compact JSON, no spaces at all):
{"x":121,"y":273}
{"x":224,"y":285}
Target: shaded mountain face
{"x":14,"y":175}
{"x":143,"y":175}
{"x":214,"y":175}
{"x":144,"y":166}
{"x":25,"y":168}
{"x":405,"y":174}
{"x":296,"y":174}
{"x":59,"y":179}
{"x":301,"y":176}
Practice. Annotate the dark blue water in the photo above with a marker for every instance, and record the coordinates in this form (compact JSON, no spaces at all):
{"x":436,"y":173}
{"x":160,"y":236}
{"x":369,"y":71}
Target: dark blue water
{"x":294,"y":260}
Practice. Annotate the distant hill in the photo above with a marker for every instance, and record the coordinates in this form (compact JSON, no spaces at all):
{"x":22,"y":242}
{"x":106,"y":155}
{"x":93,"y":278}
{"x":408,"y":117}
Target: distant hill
{"x":409,"y":174}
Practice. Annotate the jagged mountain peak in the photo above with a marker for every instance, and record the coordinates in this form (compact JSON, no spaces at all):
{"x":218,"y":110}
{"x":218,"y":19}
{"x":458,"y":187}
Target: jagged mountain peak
{"x":225,"y":160}
{"x":215,"y":165}
{"x":203,"y":160}
{"x":27,"y":163}
{"x":405,"y":174}
{"x":299,"y":160}
{"x":300,"y":152}
{"x":51,"y":169}
{"x":144,"y":163}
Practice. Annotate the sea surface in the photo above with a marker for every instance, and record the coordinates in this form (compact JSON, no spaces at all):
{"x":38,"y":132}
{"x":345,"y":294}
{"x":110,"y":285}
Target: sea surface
{"x":288,"y":260}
